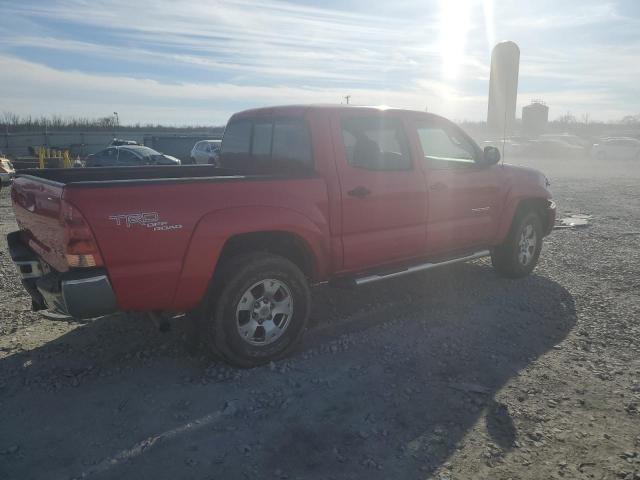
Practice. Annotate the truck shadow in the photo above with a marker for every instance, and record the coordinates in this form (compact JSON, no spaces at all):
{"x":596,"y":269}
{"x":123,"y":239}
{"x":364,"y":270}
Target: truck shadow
{"x":388,"y":382}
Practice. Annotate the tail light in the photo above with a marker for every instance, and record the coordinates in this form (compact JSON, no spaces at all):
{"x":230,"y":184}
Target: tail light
{"x":80,"y":248}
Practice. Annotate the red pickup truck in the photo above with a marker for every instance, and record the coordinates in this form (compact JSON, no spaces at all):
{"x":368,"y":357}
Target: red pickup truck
{"x":302,"y":195}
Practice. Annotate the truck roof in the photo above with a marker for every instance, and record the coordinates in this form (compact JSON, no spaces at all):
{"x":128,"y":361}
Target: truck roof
{"x":299,"y":110}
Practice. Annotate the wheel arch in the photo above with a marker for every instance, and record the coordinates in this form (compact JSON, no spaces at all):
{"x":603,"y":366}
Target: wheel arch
{"x":223,"y":234}
{"x":517,"y":208}
{"x":278,"y":242}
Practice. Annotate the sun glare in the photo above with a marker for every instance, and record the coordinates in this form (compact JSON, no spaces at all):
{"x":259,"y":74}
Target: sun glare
{"x":454,"y":27}
{"x":487,"y":7}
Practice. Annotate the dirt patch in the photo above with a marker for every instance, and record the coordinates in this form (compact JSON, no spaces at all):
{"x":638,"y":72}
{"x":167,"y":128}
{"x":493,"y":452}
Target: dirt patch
{"x":454,"y":374}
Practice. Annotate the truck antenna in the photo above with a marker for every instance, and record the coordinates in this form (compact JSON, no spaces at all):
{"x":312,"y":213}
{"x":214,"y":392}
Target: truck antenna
{"x":504,"y":131}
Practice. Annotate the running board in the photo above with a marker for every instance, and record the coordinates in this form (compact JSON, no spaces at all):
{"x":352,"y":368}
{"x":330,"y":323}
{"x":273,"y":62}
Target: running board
{"x":419,"y":268}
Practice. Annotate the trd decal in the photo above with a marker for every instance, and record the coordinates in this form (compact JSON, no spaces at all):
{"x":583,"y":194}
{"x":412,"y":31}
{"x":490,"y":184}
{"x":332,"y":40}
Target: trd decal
{"x":145,"y":219}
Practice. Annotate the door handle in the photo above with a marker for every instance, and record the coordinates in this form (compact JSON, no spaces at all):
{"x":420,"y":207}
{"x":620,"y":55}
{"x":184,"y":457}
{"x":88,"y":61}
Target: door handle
{"x":438,"y":186}
{"x":359,"y":192}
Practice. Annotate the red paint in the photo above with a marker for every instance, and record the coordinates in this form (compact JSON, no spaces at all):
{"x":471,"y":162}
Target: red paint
{"x":407,"y":215}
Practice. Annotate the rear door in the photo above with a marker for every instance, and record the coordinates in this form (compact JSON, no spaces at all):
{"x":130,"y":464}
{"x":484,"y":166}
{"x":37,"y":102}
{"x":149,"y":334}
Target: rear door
{"x":463,"y":195}
{"x":383,"y":195}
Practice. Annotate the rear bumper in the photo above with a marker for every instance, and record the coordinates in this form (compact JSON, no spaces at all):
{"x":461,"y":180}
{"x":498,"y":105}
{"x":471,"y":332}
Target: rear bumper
{"x":82,"y":293}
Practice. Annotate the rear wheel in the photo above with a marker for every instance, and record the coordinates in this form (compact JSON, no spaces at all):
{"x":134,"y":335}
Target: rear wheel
{"x":259,"y":310}
{"x":518,"y":255}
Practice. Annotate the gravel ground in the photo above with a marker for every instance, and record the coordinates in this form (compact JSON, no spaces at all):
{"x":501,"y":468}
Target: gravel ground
{"x":453,"y":374}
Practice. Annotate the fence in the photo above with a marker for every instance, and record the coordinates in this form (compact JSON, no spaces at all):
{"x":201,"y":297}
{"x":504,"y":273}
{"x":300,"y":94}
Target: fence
{"x":81,"y":144}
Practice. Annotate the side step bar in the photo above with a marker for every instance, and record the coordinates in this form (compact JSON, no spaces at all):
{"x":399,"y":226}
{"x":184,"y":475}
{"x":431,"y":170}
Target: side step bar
{"x":419,"y":268}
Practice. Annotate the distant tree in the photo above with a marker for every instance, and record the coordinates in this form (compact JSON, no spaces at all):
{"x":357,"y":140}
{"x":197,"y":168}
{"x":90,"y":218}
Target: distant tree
{"x":567,"y":119}
{"x":630,"y":119}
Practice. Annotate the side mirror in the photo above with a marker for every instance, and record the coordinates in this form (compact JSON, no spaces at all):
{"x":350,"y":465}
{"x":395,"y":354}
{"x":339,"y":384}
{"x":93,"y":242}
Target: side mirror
{"x":491,"y":155}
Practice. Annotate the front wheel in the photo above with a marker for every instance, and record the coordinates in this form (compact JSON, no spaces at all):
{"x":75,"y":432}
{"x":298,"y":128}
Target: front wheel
{"x":518,"y":255}
{"x":260,"y":310}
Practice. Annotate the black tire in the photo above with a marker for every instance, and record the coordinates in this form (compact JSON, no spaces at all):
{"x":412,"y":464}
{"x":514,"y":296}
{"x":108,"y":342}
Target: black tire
{"x":511,"y":259}
{"x":220,"y":323}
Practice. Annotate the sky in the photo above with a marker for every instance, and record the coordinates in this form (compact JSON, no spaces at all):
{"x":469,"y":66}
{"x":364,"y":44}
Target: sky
{"x":195,"y":62}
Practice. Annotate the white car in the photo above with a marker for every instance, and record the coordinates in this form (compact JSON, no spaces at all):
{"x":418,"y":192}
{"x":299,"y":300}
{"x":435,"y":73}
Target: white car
{"x":206,"y":151}
{"x":7,"y":172}
{"x":616,"y":148}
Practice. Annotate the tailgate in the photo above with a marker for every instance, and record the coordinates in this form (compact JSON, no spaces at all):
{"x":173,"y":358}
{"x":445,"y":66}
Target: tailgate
{"x":37,"y":205}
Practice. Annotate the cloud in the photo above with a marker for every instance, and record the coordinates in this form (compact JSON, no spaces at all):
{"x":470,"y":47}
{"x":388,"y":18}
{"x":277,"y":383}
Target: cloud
{"x":197,"y":62}
{"x":26,"y":85}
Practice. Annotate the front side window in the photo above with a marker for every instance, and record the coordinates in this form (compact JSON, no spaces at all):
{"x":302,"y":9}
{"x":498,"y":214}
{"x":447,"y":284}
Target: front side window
{"x":267,"y":145}
{"x":442,"y":145}
{"x":375,"y":143}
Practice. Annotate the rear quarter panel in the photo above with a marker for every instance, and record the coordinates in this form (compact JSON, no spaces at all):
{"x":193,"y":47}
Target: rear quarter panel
{"x":160,"y":241}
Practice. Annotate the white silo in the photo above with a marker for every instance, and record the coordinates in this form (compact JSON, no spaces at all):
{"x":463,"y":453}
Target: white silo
{"x":503,"y":88}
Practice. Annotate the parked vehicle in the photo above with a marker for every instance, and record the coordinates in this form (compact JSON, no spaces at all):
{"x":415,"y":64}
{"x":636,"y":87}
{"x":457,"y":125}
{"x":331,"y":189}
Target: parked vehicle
{"x":206,"y":152}
{"x":512,"y":146}
{"x":304,"y":195}
{"x":128,"y":156}
{"x":118,"y":142}
{"x":617,"y":148}
{"x":7,"y":172}
{"x":551,"y":147}
{"x":567,"y":138}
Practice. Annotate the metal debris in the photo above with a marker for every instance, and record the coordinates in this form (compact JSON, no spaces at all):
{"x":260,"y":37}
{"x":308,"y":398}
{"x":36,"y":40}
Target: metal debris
{"x":575,"y":220}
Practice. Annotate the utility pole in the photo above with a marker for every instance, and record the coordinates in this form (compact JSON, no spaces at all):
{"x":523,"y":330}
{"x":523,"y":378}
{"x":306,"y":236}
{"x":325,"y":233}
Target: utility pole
{"x":347,"y":97}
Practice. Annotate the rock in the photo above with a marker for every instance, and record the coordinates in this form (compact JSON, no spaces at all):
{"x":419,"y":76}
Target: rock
{"x":11,"y":450}
{"x":229,"y":409}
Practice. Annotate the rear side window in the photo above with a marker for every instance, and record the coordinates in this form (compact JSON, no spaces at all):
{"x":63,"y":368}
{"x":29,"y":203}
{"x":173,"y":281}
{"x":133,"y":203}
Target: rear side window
{"x":267,"y":146}
{"x":261,"y":142}
{"x":375,"y":143}
{"x":237,"y":138}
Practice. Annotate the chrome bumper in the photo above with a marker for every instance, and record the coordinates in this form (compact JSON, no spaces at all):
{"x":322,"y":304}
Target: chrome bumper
{"x":81,"y":293}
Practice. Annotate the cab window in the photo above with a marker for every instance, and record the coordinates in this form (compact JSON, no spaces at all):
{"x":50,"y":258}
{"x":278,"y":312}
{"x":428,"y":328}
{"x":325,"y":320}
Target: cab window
{"x":375,"y":143}
{"x":267,"y":146}
{"x":445,"y":147}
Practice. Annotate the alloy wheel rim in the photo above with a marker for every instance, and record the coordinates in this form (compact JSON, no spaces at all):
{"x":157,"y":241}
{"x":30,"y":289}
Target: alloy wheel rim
{"x":264,"y":312}
{"x":527,"y":245}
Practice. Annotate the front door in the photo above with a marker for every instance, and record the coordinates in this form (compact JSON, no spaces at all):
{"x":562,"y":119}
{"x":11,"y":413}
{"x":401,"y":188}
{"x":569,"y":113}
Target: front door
{"x":464,"y":196}
{"x":383,"y":193}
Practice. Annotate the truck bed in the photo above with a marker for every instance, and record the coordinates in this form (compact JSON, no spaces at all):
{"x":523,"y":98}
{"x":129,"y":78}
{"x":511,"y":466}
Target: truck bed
{"x":110,"y":176}
{"x":165,"y":263}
